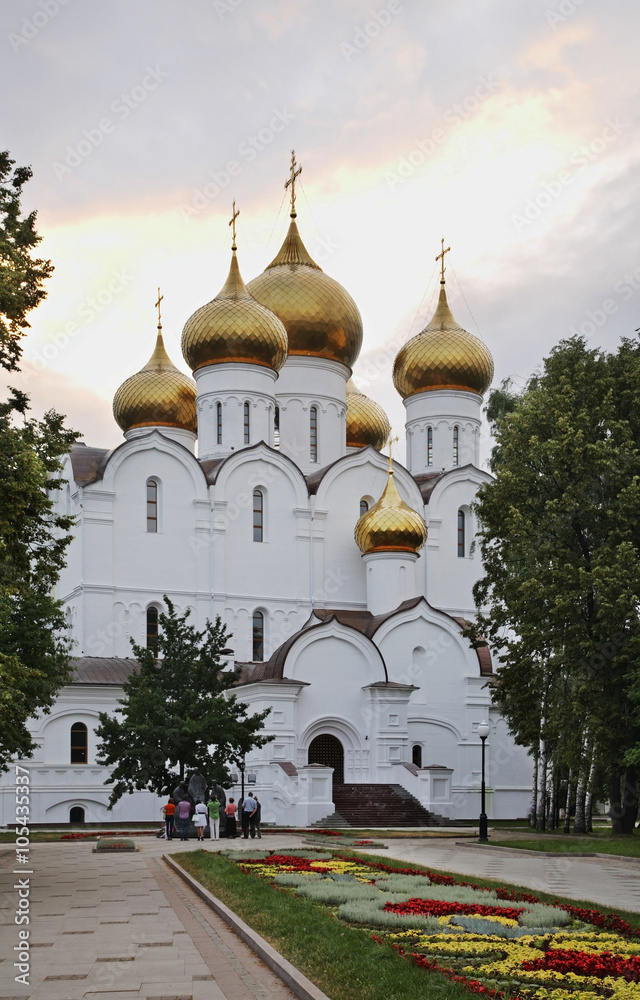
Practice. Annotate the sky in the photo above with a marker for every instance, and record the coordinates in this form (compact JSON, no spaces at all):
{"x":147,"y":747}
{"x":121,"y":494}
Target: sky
{"x":509,"y":129}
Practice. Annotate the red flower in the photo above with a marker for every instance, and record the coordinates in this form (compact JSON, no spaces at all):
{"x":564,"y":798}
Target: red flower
{"x":440,"y":908}
{"x":586,"y":964}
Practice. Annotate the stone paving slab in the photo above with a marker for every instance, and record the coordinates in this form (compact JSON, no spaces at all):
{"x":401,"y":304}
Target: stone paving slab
{"x":126,"y":927}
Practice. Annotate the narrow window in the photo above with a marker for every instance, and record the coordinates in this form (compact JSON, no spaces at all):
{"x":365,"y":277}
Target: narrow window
{"x":152,"y":505}
{"x":258,"y":636}
{"x":79,"y":743}
{"x":247,"y":425}
{"x":429,"y":445}
{"x":276,"y":428}
{"x":258,"y":516}
{"x":416,"y":754}
{"x":313,"y":434}
{"x":218,"y":423}
{"x":461,"y":539}
{"x":364,"y":507}
{"x":76,"y":814}
{"x":152,"y":629}
{"x":456,"y":440}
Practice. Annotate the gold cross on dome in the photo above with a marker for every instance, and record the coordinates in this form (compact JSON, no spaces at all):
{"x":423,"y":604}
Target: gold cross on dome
{"x":440,"y":257}
{"x":292,"y":182}
{"x":232,"y":223}
{"x":160,"y":298}
{"x":390,"y":442}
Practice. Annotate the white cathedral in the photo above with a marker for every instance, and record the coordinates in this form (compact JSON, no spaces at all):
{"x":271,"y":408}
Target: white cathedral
{"x":258,"y":492}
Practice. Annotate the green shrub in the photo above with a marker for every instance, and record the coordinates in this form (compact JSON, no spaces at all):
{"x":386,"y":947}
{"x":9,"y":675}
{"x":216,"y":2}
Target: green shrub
{"x":115,"y":844}
{"x":292,"y":879}
{"x":539,"y":915}
{"x":333,"y":893}
{"x":414,"y":884}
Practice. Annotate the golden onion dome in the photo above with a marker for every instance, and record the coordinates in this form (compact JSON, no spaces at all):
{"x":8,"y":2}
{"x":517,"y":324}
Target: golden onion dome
{"x":234,"y":327}
{"x":390,"y":525}
{"x":443,"y":356}
{"x":320,"y":317}
{"x":367,"y":423}
{"x":159,"y":395}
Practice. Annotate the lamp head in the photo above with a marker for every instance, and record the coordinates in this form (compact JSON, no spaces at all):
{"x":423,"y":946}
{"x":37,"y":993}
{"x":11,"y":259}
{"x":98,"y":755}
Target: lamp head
{"x":483,"y":730}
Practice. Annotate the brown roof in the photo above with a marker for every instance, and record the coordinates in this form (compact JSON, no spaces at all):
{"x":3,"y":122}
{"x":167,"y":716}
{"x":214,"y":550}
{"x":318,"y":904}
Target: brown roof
{"x":428,"y":481}
{"x":109,"y":670}
{"x":483,"y":652}
{"x":87,"y":463}
{"x":209,"y":466}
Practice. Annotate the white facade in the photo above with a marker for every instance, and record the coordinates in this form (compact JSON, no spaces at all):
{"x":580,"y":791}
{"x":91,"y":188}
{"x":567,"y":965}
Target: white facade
{"x":365,"y":649}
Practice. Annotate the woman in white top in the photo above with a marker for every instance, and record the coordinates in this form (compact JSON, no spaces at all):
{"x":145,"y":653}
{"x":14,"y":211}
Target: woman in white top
{"x":200,"y":819}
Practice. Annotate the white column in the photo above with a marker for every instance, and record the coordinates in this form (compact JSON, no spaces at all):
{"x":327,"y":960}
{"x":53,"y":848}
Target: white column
{"x":391,"y":579}
{"x":233,"y":385}
{"x":303,"y":383}
{"x":442,"y":411}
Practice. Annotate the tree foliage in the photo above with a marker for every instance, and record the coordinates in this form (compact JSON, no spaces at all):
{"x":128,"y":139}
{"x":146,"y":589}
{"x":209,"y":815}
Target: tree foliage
{"x":178,"y":713}
{"x":34,"y":652}
{"x":560,"y":539}
{"x":21,"y":276}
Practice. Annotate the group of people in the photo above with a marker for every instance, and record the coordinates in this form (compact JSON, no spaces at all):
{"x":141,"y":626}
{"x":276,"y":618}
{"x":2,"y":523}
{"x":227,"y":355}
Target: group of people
{"x":250,"y":810}
{"x":210,"y":813}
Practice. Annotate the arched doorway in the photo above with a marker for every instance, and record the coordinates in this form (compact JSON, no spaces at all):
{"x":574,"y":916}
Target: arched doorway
{"x":76,"y":814}
{"x":328,"y":750}
{"x":416,"y":754}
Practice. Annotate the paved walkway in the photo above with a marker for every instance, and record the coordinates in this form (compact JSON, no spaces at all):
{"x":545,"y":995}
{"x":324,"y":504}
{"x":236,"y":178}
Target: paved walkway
{"x":128,"y":928}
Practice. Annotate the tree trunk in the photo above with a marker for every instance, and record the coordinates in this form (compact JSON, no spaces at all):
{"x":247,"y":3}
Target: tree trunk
{"x":623,"y":799}
{"x":567,"y":808}
{"x":551,"y":811}
{"x":588,"y":805}
{"x":542,"y":787}
{"x":534,"y":792}
{"x":579,"y":823}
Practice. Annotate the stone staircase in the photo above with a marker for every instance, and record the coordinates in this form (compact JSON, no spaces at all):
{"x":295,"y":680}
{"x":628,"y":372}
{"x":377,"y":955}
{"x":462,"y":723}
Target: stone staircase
{"x":367,"y":806}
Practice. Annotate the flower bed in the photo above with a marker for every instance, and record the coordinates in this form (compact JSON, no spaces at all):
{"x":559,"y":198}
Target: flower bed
{"x":470,"y":934}
{"x":100,"y":833}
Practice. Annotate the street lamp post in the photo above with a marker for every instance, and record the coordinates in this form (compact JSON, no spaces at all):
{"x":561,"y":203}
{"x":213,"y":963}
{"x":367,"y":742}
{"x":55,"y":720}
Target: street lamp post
{"x":483,"y":732}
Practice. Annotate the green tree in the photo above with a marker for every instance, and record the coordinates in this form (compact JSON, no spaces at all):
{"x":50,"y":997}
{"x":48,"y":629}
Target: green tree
{"x":34,"y":652}
{"x":21,"y":276}
{"x":560,"y":539}
{"x":178,"y":713}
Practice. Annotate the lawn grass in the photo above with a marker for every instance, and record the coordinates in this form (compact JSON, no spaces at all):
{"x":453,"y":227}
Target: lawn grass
{"x":342,"y":961}
{"x":627,"y":846}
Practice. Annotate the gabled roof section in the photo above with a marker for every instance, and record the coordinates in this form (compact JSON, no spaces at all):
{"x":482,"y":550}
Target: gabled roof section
{"x":364,"y":621}
{"x":104,"y":670}
{"x":213,"y":467}
{"x":428,"y":481}
{"x":483,"y":652}
{"x":88,"y":463}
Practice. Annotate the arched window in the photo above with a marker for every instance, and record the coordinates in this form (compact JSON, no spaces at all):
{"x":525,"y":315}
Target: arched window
{"x":313,"y":434}
{"x":364,"y":507}
{"x":79,"y":743}
{"x":152,"y":505}
{"x":258,"y":516}
{"x":76,"y":814}
{"x":429,"y":445}
{"x":276,"y":427}
{"x":258,"y":636}
{"x":218,"y":423}
{"x":416,"y":754}
{"x":461,"y":531}
{"x":152,"y":629}
{"x":456,"y":445}
{"x":247,"y":424}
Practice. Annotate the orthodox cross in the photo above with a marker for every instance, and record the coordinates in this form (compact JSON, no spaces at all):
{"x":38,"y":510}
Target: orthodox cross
{"x":232,"y":223}
{"x":292,"y":182}
{"x":160,"y":298}
{"x":440,"y":257}
{"x":390,"y":442}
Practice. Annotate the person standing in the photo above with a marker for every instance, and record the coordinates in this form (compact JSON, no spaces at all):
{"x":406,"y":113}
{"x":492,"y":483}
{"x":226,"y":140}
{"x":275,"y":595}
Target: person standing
{"x":214,"y":817}
{"x":169,"y":813}
{"x":230,"y":811}
{"x":254,"y":820}
{"x":184,"y":815}
{"x":200,"y":819}
{"x":248,"y":809}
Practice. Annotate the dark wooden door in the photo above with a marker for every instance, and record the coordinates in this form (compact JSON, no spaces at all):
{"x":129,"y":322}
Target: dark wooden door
{"x":328,"y":750}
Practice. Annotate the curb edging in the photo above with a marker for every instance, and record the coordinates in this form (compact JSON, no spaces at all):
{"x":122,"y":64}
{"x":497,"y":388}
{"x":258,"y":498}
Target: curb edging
{"x":298,"y":983}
